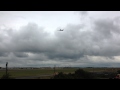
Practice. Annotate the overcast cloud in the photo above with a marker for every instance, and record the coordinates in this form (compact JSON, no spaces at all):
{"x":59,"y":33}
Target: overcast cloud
{"x":93,"y":41}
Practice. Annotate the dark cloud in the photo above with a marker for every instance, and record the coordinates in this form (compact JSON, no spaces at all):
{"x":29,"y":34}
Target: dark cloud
{"x":20,"y":54}
{"x":83,"y":13}
{"x":31,"y":42}
{"x":106,"y":28}
{"x":2,"y":54}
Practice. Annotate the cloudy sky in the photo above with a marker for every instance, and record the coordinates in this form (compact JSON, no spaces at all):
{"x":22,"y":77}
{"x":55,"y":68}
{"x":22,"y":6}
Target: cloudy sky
{"x":31,"y":38}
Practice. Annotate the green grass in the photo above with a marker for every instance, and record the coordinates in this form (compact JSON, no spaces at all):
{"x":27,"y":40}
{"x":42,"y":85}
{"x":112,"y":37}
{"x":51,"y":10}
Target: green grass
{"x":37,"y":72}
{"x":34,"y":72}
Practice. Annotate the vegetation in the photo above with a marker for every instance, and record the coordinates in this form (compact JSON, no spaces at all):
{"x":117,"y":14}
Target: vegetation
{"x":62,"y":73}
{"x":118,"y":71}
{"x":16,"y":73}
{"x":82,"y":74}
{"x":6,"y":76}
{"x":79,"y":74}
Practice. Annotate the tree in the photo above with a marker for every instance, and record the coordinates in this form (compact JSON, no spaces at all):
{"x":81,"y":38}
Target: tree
{"x":79,"y":74}
{"x":118,"y":71}
{"x":60,"y":76}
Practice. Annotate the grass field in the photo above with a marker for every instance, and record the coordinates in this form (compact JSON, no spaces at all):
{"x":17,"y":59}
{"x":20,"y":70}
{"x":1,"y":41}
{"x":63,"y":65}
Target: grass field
{"x":33,"y":72}
{"x":41,"y":73}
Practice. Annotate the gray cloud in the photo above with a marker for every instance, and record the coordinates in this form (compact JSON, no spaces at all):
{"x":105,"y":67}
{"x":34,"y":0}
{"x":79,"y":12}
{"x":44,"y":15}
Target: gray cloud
{"x":2,"y":54}
{"x":83,"y":12}
{"x":20,"y":54}
{"x":31,"y":43}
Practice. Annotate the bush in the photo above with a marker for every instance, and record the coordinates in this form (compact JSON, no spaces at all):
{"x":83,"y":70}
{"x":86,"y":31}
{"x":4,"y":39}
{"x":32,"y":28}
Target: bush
{"x":60,"y":76}
{"x":118,"y":71}
{"x":6,"y":76}
{"x":79,"y":74}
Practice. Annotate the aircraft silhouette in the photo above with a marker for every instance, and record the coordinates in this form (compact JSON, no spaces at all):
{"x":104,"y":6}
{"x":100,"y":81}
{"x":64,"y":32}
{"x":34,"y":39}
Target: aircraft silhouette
{"x":61,"y":30}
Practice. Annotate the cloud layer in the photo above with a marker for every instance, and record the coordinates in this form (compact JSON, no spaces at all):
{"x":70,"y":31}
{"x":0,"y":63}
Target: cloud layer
{"x":77,"y":45}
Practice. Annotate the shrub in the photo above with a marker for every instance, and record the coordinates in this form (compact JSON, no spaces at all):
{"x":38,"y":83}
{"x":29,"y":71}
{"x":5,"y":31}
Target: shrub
{"x":118,"y":71}
{"x":79,"y":74}
{"x":6,"y":76}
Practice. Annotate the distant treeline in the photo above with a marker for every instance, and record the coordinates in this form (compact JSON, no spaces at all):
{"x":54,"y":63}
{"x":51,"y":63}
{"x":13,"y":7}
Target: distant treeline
{"x":81,"y":74}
